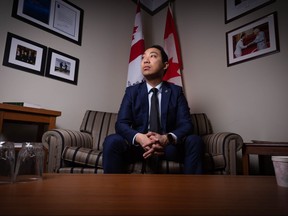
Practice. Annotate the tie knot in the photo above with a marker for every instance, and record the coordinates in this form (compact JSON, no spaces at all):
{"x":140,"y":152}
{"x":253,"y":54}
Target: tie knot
{"x":154,"y":90}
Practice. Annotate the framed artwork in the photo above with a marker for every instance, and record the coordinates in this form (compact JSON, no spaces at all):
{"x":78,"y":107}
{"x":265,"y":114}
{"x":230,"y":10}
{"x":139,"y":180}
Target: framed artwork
{"x":253,"y":40}
{"x":59,"y":17}
{"x":61,"y":66}
{"x":235,"y":9}
{"x":24,"y":54}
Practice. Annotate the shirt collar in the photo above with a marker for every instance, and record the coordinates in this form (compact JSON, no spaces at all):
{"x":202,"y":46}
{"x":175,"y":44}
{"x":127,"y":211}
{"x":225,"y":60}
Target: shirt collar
{"x":149,"y":87}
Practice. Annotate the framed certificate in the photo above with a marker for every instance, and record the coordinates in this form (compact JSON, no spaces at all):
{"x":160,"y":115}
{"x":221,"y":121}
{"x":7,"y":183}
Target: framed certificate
{"x":59,"y":17}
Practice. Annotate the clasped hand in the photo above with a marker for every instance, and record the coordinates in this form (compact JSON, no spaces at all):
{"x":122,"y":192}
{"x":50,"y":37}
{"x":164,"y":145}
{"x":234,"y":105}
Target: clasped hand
{"x":153,"y":143}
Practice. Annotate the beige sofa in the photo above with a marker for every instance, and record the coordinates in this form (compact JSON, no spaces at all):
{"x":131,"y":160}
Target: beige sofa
{"x":81,"y":151}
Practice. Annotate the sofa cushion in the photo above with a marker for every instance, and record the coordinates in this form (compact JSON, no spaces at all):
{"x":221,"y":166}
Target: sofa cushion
{"x":213,"y":164}
{"x":86,"y":170}
{"x":85,"y":157}
{"x":165,"y":167}
{"x":84,"y":160}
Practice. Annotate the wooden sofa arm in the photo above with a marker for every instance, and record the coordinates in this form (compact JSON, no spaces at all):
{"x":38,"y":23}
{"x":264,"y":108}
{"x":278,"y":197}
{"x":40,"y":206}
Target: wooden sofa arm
{"x":223,"y":147}
{"x":56,"y":140}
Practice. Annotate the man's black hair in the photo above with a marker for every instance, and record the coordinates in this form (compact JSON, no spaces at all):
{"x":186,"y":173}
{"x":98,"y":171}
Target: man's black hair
{"x":163,"y":53}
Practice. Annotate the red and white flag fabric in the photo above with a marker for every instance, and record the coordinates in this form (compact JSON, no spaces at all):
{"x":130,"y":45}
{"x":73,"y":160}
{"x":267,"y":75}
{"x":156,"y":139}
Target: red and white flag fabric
{"x":137,"y":49}
{"x":172,"y":47}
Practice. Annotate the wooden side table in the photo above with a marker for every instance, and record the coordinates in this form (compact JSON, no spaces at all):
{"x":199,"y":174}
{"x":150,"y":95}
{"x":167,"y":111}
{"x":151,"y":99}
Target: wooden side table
{"x":43,"y":118}
{"x":262,"y":148}
{"x":18,"y":114}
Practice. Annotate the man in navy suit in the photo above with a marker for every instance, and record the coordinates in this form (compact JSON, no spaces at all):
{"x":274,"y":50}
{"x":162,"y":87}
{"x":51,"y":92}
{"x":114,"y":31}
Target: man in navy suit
{"x":134,"y":141}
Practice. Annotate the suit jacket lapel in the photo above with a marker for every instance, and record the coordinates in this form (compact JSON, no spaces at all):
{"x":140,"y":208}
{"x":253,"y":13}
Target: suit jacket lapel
{"x":143,"y":97}
{"x":166,"y":93}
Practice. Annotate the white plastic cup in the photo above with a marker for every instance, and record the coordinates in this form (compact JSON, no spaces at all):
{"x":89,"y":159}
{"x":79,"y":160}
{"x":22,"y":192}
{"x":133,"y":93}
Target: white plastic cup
{"x":280,"y":164}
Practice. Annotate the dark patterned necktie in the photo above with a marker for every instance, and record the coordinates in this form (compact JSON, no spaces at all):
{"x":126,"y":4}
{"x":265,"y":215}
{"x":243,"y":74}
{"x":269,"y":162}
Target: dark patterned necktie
{"x":154,"y":112}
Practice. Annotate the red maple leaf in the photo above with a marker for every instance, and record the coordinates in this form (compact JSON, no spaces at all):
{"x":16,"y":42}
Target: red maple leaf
{"x":172,"y":70}
{"x":134,"y":31}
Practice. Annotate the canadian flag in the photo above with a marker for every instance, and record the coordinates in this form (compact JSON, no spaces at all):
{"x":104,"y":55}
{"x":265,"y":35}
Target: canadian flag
{"x":137,"y":49}
{"x":172,"y":47}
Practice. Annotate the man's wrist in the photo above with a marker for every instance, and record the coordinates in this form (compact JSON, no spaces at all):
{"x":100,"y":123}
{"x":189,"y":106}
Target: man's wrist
{"x":134,"y":141}
{"x":170,"y":138}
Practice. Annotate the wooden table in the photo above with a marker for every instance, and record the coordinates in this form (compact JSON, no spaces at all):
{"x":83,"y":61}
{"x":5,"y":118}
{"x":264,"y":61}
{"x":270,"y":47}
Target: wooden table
{"x":132,"y":194}
{"x":20,"y":114}
{"x":264,"y":148}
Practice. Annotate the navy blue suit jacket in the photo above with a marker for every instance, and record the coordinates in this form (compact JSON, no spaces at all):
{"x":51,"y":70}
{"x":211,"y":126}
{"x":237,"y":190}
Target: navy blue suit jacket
{"x":133,"y":115}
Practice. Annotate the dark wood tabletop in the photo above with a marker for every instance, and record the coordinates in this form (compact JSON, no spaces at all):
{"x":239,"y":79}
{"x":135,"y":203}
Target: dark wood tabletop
{"x":131,"y":194}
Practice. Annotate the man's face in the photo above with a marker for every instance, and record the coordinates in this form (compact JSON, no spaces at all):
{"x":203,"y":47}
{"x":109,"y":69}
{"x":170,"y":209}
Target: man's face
{"x":151,"y":64}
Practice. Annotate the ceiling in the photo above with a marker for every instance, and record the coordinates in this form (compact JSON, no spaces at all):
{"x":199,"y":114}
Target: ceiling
{"x":153,"y":6}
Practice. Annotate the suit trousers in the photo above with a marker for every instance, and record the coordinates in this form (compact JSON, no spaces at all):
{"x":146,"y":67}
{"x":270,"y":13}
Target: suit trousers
{"x":118,"y":154}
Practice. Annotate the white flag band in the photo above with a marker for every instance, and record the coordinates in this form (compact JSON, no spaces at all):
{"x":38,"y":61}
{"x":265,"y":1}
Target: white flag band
{"x":137,"y":49}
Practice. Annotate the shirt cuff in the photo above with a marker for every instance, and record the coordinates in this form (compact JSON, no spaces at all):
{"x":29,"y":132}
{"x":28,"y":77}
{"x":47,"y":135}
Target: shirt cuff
{"x":134,"y":140}
{"x":174,"y":137}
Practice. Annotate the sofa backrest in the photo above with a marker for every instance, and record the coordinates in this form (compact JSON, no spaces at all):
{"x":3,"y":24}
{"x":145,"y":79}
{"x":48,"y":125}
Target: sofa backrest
{"x":201,"y":123}
{"x":100,"y":124}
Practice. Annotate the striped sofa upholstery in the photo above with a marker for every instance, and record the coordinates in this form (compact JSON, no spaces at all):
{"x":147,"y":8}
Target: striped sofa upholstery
{"x":81,"y":151}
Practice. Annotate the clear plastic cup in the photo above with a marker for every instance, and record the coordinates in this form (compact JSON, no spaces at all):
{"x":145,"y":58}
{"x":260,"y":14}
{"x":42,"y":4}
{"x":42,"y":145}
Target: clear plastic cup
{"x":29,"y":165}
{"x":7,"y":161}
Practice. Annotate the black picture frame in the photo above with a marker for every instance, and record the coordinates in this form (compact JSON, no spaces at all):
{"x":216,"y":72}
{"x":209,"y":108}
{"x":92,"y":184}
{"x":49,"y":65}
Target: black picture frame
{"x":266,"y":43}
{"x":25,"y":55}
{"x":59,"y":17}
{"x":236,"y":9}
{"x":62,"y":67}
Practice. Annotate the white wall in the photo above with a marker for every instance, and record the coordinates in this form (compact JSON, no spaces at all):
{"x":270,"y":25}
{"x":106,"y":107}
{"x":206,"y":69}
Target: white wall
{"x":103,"y":62}
{"x":248,"y":98}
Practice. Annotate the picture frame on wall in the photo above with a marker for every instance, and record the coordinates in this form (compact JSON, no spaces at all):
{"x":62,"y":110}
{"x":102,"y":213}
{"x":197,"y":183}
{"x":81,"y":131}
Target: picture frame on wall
{"x":62,"y":67}
{"x":253,"y":40}
{"x":59,"y":17}
{"x":235,"y":9}
{"x":25,"y":55}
